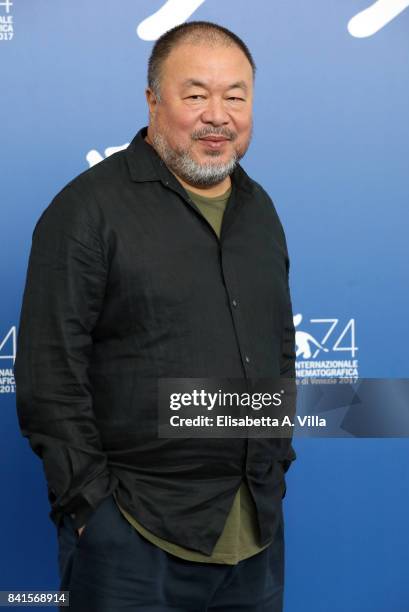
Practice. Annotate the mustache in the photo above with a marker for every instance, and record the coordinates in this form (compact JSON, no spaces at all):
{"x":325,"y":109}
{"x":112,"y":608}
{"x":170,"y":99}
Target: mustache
{"x":214,"y":131}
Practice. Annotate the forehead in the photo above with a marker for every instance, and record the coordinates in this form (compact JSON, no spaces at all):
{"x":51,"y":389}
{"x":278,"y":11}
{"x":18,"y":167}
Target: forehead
{"x":212,"y":63}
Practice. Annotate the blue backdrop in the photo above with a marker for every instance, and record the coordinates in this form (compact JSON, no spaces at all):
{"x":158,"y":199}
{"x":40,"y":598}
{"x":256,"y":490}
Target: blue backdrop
{"x":331,"y":147}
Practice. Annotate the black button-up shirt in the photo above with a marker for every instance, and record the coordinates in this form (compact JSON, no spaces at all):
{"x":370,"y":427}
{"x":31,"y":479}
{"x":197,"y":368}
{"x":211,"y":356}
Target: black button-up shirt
{"x":128,"y":283}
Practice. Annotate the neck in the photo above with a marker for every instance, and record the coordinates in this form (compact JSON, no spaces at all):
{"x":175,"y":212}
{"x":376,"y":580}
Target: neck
{"x":211,"y":191}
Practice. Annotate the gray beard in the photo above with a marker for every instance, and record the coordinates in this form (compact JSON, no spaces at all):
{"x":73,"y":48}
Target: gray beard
{"x":183,"y":165}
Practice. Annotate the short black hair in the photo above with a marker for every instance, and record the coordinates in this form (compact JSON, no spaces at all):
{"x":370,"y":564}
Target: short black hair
{"x":192,"y":31}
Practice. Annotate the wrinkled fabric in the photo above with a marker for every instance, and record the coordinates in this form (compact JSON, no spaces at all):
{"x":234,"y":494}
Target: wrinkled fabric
{"x":117,"y":569}
{"x":128,"y":283}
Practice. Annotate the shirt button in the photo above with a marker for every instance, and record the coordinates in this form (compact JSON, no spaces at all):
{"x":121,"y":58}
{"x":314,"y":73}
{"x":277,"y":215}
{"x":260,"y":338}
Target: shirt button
{"x":247,"y":359}
{"x":235,"y":304}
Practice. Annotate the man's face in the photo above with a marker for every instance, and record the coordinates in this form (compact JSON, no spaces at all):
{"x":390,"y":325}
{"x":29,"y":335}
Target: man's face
{"x":202,"y":124}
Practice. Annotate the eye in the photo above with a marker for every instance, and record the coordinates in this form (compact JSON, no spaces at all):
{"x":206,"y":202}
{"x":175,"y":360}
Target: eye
{"x":236,"y":99}
{"x":196,"y":97}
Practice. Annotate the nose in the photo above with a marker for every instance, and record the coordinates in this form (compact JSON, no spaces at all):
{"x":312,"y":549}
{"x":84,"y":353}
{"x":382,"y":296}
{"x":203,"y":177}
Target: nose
{"x":215,"y":112}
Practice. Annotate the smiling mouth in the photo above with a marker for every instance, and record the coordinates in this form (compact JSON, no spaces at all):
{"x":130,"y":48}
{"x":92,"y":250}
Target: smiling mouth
{"x":214,"y":142}
{"x":215,"y":138}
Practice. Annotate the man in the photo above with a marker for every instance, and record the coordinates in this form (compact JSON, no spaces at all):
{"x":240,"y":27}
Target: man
{"x":163,"y":261}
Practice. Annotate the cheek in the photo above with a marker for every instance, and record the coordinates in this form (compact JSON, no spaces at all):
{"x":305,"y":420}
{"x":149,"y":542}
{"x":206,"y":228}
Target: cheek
{"x":243,"y":126}
{"x":181,"y":120}
{"x":244,"y":129}
{"x":241,"y":119}
{"x":178,"y":128}
{"x":244,"y":123}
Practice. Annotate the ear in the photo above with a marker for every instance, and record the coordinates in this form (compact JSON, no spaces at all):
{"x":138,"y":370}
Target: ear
{"x":151,"y":100}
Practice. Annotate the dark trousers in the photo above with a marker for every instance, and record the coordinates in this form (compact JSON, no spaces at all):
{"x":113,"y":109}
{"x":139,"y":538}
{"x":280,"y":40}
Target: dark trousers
{"x":112,"y":568}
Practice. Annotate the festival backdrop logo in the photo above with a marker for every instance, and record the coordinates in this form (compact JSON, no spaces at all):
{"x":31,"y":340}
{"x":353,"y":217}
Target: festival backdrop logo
{"x":7,"y":358}
{"x":375,"y":17}
{"x":363,"y":24}
{"x":93,"y":157}
{"x":6,"y":21}
{"x":319,"y":343}
{"x":171,"y":14}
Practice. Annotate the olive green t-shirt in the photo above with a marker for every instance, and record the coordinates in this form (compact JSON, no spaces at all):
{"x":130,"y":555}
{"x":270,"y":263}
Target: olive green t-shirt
{"x":239,"y":538}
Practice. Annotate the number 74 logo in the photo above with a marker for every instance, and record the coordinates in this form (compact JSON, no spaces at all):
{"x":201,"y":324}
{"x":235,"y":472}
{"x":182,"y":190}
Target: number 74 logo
{"x":305,"y":341}
{"x":8,"y":343}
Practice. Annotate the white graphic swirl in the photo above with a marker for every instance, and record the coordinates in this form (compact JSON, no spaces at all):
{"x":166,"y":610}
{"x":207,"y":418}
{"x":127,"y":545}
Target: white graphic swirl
{"x":93,"y":157}
{"x":171,"y":14}
{"x":375,"y":17}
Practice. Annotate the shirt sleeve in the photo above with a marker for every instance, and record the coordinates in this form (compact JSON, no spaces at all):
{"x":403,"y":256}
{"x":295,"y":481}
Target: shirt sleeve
{"x":287,"y":366}
{"x":63,"y":297}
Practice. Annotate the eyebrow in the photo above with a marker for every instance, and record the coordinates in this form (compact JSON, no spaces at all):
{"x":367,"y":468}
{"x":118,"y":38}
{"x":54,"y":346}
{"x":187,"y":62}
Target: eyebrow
{"x":195,"y":83}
